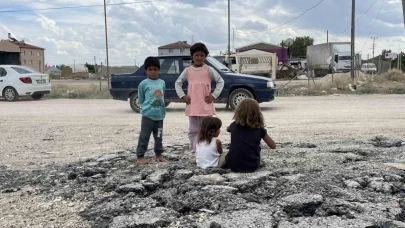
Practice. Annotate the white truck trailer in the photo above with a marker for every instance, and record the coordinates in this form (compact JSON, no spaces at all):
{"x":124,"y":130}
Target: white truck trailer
{"x":327,"y":57}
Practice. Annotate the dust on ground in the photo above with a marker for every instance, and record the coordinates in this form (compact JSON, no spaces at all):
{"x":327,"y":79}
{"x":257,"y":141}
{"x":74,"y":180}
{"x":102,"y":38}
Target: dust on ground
{"x":71,"y":162}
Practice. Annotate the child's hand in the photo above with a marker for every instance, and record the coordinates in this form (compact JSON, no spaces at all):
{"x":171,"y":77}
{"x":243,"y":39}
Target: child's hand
{"x":186,"y":99}
{"x":209,"y":99}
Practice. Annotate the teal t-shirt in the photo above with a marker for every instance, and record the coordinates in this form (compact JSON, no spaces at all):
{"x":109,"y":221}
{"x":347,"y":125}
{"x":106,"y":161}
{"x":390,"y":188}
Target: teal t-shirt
{"x":151,"y":97}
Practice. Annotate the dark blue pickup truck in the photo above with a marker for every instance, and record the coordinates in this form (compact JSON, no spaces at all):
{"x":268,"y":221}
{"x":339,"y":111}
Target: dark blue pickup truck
{"x":236,"y":88}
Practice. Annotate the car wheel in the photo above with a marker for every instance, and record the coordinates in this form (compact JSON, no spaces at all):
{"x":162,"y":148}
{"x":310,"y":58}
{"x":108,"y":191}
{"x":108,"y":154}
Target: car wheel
{"x":134,"y":103}
{"x":167,"y":103}
{"x":10,"y":94}
{"x":37,"y":96}
{"x":237,"y":96}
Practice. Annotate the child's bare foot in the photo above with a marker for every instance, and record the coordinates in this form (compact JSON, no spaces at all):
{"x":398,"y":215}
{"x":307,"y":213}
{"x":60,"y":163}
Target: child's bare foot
{"x":142,"y":161}
{"x":160,"y":159}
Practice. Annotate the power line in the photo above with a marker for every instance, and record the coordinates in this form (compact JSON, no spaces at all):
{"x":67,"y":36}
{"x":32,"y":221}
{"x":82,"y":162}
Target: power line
{"x":302,"y":14}
{"x":76,"y":7}
{"x":371,"y":30}
{"x":359,"y":17}
{"x":244,"y":38}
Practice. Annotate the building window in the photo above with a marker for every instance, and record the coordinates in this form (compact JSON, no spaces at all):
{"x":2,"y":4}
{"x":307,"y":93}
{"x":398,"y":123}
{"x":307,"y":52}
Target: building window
{"x":25,"y":62}
{"x":38,"y":53}
{"x":31,"y":62}
{"x":170,"y":50}
{"x":181,"y":50}
{"x":23,"y":53}
{"x":30,"y":52}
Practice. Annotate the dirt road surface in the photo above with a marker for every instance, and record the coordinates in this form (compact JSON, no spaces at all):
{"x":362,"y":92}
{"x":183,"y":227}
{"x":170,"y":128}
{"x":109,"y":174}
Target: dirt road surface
{"x":37,"y":133}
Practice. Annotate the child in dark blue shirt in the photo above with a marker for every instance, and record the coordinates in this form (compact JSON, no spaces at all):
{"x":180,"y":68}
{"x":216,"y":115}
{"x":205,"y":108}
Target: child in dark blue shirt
{"x":246,"y":133}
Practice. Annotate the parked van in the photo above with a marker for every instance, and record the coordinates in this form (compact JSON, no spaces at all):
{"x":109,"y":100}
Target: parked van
{"x":369,"y":68}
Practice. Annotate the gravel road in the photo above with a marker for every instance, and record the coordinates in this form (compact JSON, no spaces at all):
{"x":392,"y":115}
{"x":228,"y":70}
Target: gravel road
{"x":38,"y":133}
{"x":44,"y":184}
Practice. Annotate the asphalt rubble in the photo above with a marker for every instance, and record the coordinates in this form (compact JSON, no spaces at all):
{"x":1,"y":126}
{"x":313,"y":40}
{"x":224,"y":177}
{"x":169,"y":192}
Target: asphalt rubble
{"x":324,"y":184}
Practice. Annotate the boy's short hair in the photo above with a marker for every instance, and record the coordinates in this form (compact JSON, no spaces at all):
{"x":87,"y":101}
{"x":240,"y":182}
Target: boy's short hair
{"x":151,"y":61}
{"x":199,"y":47}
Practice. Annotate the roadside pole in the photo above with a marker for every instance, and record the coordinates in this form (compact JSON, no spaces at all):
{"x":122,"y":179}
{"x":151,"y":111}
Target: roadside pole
{"x":352,"y":39}
{"x":333,"y":65}
{"x":229,"y":35}
{"x":101,"y":73}
{"x":106,"y":44}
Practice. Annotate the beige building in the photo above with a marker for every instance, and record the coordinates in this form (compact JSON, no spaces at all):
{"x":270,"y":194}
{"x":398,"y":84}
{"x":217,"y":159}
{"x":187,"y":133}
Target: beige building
{"x":177,"y":48}
{"x":30,"y":55}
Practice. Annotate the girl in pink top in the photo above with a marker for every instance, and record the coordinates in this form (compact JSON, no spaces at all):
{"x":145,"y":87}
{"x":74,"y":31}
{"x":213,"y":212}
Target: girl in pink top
{"x":199,"y":99}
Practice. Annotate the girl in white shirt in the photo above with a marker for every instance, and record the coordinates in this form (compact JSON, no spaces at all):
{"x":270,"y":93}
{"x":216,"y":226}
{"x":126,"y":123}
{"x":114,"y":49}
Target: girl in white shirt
{"x":209,"y":148}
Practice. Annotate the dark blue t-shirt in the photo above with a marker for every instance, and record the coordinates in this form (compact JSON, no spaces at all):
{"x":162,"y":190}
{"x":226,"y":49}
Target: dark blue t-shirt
{"x":244,"y":151}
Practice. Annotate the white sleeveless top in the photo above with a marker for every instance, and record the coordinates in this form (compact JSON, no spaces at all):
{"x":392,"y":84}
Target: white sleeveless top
{"x":207,"y":154}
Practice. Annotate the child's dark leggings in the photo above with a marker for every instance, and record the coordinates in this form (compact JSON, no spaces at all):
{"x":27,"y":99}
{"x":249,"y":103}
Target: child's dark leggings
{"x":148,"y":127}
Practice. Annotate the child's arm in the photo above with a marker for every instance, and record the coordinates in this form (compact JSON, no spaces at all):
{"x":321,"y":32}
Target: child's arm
{"x":219,"y":146}
{"x":179,"y":87}
{"x":228,"y":129}
{"x":214,"y":75}
{"x":141,"y":93}
{"x":270,"y":142}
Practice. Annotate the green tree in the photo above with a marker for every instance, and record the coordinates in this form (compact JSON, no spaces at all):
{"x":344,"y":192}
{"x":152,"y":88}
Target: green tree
{"x":299,"y":46}
{"x":91,"y":68}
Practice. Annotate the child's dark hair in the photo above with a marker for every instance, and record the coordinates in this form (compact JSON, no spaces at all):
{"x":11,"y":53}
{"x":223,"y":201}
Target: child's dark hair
{"x":151,"y":61}
{"x":209,"y":125}
{"x":199,"y":47}
{"x":248,"y":114}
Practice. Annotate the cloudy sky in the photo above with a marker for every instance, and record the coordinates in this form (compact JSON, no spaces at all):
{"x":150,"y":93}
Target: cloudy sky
{"x":136,"y":29}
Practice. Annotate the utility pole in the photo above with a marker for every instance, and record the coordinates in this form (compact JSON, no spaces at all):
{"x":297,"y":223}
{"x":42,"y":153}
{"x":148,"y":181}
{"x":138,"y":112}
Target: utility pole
{"x":229,"y":35}
{"x":101,"y":73}
{"x":233,"y":40}
{"x":135,"y":63}
{"x":374,"y":38}
{"x":74,"y":66}
{"x":106,"y":44}
{"x":327,"y":36}
{"x":95,"y":64}
{"x":399,"y":57}
{"x":352,"y":39}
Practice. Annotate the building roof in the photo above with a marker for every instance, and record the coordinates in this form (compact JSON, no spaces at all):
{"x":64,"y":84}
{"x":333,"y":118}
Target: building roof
{"x":25,"y":45}
{"x":178,"y":44}
{"x":260,"y":45}
{"x":52,"y":70}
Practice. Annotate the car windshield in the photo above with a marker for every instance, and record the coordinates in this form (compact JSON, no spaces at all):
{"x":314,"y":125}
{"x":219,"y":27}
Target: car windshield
{"x":24,"y":70}
{"x":218,"y":64}
{"x":345,"y":57}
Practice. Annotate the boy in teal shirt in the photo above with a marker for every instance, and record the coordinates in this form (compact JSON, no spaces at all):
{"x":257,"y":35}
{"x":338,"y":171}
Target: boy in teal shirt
{"x":151,"y":97}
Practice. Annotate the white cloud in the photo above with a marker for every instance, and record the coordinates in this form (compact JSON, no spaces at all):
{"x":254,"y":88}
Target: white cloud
{"x":278,"y":11}
{"x":136,"y":30}
{"x":48,"y":24}
{"x":394,"y":1}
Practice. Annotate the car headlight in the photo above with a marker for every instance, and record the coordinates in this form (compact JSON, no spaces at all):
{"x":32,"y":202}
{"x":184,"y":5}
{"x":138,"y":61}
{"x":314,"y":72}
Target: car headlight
{"x":270,"y":84}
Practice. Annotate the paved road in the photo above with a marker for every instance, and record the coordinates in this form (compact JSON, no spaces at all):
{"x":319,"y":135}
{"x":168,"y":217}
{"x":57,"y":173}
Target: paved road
{"x":36,"y":133}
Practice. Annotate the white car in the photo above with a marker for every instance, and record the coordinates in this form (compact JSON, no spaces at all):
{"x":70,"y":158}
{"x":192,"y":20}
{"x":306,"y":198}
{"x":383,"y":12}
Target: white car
{"x":18,"y":81}
{"x":369,"y":68}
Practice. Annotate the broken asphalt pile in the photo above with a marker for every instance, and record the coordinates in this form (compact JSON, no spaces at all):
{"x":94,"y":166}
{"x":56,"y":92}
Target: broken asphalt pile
{"x":328,"y":184}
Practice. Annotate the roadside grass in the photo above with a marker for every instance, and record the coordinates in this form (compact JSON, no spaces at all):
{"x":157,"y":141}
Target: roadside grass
{"x":392,"y":82}
{"x":79,"y":92}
